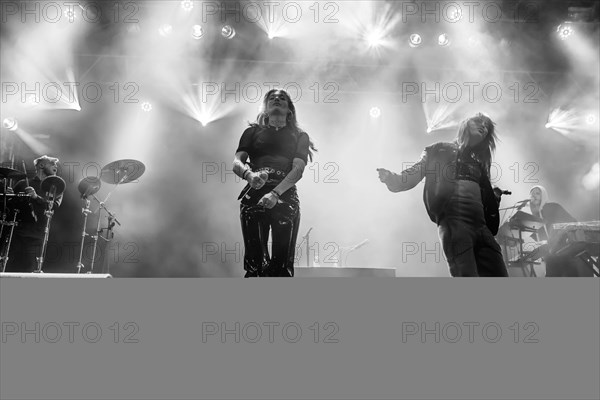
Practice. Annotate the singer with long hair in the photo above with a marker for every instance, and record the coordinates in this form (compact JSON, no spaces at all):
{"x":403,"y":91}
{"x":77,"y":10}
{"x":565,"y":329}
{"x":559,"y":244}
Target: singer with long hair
{"x":271,"y":155}
{"x":459,"y":197}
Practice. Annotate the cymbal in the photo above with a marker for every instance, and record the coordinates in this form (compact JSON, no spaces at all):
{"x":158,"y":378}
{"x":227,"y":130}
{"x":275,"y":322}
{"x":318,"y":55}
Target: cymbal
{"x":89,"y":186}
{"x":122,"y":171}
{"x":51,"y":182}
{"x":11,"y":173}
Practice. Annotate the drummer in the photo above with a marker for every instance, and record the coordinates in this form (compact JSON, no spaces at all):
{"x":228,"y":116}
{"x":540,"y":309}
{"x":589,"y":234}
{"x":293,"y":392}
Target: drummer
{"x":28,"y":235}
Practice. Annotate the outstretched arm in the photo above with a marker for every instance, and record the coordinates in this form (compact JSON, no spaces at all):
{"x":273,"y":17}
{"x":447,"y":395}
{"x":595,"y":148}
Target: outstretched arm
{"x":407,"y":179}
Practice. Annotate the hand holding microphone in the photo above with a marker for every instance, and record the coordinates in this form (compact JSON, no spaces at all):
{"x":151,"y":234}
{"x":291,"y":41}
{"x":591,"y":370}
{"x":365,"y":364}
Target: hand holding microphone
{"x":257,"y":179}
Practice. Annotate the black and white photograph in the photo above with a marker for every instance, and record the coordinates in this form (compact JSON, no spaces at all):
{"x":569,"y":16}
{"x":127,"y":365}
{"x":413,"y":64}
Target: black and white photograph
{"x":395,"y":140}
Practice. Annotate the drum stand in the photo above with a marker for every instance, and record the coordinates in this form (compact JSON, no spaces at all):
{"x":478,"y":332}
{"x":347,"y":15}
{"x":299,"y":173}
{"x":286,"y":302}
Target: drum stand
{"x":48,"y":213}
{"x":85,"y":211}
{"x":5,"y":250}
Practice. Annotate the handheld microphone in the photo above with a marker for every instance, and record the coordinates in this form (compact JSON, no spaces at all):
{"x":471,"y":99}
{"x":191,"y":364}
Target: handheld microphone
{"x":499,"y":191}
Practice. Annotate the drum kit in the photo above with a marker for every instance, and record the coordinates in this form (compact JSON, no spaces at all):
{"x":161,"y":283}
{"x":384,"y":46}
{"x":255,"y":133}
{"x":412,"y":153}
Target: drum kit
{"x":115,"y":173}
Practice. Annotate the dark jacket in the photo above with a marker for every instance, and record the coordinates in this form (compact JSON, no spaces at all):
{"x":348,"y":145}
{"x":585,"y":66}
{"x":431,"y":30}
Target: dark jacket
{"x":438,"y":166}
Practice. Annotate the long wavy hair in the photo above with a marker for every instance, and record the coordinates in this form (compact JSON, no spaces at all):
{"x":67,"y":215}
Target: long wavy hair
{"x":262,"y":119}
{"x":487,"y":147}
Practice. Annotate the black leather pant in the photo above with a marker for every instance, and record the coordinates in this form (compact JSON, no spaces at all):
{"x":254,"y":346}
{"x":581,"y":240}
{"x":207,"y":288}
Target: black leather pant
{"x":282,"y":221}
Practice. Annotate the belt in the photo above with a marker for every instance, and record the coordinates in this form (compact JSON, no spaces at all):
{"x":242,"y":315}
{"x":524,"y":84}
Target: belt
{"x":272,"y":171}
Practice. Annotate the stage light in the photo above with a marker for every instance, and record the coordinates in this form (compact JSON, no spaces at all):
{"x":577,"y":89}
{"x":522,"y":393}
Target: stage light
{"x":564,"y":31}
{"x":205,"y":119}
{"x":10,"y":123}
{"x":375,"y":112}
{"x":165,"y":30}
{"x":547,"y":126}
{"x":455,"y":15}
{"x":443,"y":40}
{"x":197,"y":32}
{"x":228,"y":32}
{"x":187,"y":5}
{"x":146,"y":106}
{"x":590,"y":119}
{"x":274,"y":31}
{"x":374,"y":38}
{"x":415,"y":40}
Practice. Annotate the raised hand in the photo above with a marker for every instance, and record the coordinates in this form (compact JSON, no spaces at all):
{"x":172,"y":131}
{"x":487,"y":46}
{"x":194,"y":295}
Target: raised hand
{"x":384,"y":174}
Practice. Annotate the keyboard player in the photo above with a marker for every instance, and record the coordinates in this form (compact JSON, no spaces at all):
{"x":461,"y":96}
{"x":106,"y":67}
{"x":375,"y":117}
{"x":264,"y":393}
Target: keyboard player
{"x":553,"y":213}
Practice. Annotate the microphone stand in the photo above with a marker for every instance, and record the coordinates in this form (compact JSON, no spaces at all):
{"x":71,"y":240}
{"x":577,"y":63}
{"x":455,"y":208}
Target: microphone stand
{"x":350,"y":250}
{"x":308,"y":262}
{"x":111,"y":217}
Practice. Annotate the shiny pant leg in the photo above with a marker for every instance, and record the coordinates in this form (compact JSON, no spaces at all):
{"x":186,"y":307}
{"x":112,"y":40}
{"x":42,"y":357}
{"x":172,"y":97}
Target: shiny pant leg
{"x":255,"y":230}
{"x":283,"y":222}
{"x":285,"y":233}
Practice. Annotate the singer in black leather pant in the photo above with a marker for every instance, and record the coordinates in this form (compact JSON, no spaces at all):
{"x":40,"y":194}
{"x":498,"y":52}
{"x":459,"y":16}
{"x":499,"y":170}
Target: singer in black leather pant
{"x":271,"y":156}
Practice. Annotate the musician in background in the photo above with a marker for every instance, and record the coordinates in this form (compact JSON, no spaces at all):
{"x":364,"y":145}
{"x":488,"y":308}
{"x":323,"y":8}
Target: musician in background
{"x":28,"y":235}
{"x":279,"y":151}
{"x":459,"y":197}
{"x":554,"y":213}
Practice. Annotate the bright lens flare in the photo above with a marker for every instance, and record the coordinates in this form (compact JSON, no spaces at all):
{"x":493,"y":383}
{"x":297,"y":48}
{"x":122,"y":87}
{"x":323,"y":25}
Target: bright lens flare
{"x":564,"y":31}
{"x":374,"y":38}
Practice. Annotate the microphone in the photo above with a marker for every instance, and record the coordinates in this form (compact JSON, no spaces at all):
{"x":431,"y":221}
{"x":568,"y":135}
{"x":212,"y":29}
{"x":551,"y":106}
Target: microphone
{"x":499,"y":191}
{"x":523,"y":203}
